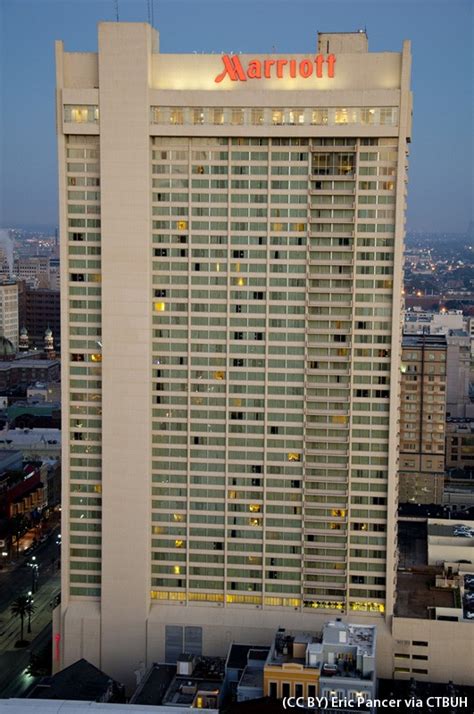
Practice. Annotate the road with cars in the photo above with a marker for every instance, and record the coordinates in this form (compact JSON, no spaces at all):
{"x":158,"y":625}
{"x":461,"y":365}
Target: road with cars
{"x":44,"y":584}
{"x":18,"y":579}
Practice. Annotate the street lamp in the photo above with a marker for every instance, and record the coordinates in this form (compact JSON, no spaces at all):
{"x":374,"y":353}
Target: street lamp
{"x":29,"y":609}
{"x":34,"y":573}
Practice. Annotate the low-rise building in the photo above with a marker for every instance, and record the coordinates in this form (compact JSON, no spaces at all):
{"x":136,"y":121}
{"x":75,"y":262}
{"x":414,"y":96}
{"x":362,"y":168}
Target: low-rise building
{"x":81,"y":681}
{"x":24,"y":371}
{"x":45,"y":391}
{"x":244,"y":671}
{"x":193,"y":683}
{"x":460,"y":443}
{"x":36,"y":444}
{"x":450,"y":541}
{"x":338,"y":663}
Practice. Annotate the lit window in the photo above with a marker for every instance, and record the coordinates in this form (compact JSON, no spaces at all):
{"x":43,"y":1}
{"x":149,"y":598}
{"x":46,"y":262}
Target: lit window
{"x":181,"y":225}
{"x":319,"y":116}
{"x":81,"y":114}
{"x":198,"y":116}
{"x":254,"y":508}
{"x":176,"y":569}
{"x":179,"y":543}
{"x":296,"y":116}
{"x":257,"y":117}
{"x":178,"y":517}
{"x":278,"y":117}
{"x":160,"y":306}
{"x":367,"y":116}
{"x":237,"y":116}
{"x":218,"y":116}
{"x":176,"y":116}
{"x":294,"y":457}
{"x":96,"y":357}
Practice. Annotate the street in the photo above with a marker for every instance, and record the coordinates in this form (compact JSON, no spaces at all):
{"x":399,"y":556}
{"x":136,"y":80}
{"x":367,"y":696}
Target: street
{"x":19,"y":581}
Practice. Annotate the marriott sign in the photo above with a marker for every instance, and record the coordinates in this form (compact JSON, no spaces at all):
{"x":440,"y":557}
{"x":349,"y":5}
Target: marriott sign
{"x":319,"y":66}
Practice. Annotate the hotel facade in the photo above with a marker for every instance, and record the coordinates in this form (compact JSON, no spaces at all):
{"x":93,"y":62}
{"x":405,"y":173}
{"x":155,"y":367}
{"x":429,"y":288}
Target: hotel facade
{"x":231,"y":248}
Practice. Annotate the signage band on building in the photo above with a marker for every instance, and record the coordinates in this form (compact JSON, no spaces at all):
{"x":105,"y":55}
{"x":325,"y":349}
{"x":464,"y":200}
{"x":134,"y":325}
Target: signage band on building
{"x":279,"y":68}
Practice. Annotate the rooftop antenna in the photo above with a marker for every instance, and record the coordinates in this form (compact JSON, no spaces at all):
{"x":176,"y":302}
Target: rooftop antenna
{"x":116,"y":11}
{"x":149,"y":11}
{"x":152,"y":13}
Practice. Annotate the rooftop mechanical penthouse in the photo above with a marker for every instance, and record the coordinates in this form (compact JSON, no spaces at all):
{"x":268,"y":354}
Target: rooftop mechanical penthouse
{"x":231,"y":287}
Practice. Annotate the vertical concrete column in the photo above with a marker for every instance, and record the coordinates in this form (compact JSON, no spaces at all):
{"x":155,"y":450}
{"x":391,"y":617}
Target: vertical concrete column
{"x":125,"y":53}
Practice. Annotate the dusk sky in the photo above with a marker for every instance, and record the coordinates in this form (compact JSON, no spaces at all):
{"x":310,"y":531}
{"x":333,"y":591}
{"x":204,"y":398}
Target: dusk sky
{"x":440,"y":195}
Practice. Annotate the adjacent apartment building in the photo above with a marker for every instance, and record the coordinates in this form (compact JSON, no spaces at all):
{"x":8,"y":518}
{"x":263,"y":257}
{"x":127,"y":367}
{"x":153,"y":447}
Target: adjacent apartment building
{"x":231,"y":249}
{"x":423,"y":418}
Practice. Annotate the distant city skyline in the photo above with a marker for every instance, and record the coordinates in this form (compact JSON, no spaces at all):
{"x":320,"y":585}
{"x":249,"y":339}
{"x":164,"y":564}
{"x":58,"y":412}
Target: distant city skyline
{"x":441,"y":176}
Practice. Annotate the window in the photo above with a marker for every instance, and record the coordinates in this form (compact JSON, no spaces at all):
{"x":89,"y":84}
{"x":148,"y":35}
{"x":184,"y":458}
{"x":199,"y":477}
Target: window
{"x":286,"y":689}
{"x":217,"y":116}
{"x":319,"y":116}
{"x":278,"y":118}
{"x":237,"y":116}
{"x":273,"y":690}
{"x":81,"y":114}
{"x":257,"y":119}
{"x":296,"y":116}
{"x":198,"y":115}
{"x":176,"y":116}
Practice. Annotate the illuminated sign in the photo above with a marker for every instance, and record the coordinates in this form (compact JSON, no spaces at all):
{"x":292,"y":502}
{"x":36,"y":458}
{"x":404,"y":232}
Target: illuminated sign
{"x":279,"y":68}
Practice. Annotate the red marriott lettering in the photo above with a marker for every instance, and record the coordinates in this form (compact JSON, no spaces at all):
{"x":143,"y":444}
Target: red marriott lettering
{"x":279,"y":68}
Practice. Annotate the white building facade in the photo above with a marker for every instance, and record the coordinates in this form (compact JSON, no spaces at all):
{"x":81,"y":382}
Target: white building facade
{"x":9,"y":311}
{"x":231,"y":242}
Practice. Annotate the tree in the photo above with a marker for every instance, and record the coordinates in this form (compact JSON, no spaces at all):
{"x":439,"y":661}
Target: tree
{"x":19,"y":609}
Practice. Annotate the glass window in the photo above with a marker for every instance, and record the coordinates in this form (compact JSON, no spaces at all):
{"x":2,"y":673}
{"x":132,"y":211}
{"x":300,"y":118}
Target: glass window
{"x":217,"y":116}
{"x":237,"y":116}
{"x":319,"y":116}
{"x":198,"y":115}
{"x":296,"y":116}
{"x":257,"y":117}
{"x":278,"y":117}
{"x":176,"y":116}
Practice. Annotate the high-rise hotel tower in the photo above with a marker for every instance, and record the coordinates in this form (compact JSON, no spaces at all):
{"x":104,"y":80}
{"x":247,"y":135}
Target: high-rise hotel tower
{"x":231,"y":249}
